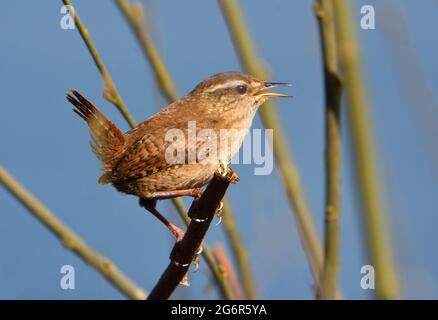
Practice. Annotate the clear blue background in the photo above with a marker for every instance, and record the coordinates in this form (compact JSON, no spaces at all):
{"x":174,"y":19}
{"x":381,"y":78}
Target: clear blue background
{"x":45,"y":146}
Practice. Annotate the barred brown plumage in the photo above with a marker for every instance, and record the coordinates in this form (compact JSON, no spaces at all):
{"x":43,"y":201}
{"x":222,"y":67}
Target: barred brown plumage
{"x":137,"y":162}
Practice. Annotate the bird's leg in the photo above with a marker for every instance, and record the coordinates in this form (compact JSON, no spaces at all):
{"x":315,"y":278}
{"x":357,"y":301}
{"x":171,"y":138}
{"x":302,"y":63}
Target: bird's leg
{"x":149,"y":205}
{"x":168,"y":194}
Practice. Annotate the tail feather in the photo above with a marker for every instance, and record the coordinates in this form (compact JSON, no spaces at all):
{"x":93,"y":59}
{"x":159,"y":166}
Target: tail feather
{"x":107,"y":140}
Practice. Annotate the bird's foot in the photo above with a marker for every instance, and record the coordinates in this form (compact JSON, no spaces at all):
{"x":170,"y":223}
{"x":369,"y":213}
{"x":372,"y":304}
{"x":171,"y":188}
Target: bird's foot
{"x":227,"y":174}
{"x":177,"y":232}
{"x":197,"y":193}
{"x":232,"y":176}
{"x":196,"y":260}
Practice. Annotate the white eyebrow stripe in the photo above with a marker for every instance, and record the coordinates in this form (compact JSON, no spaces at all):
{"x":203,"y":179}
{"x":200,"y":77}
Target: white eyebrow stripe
{"x":227,"y":84}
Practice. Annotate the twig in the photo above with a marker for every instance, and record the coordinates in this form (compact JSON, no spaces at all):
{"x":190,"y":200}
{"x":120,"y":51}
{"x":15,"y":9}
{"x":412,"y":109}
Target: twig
{"x":110,"y":93}
{"x":202,"y":213}
{"x":69,"y":239}
{"x":226,"y":266}
{"x":135,"y":17}
{"x":365,"y":153}
{"x":333,"y":89}
{"x":221,"y":281}
{"x":286,"y":166}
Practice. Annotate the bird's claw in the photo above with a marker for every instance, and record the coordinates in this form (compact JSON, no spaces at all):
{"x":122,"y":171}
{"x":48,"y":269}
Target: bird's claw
{"x":197,"y":193}
{"x":196,"y":258}
{"x":228,"y":175}
{"x":232,"y":176}
{"x":219,"y":213}
{"x":178,"y":233}
{"x":185,"y":265}
{"x":185,"y":281}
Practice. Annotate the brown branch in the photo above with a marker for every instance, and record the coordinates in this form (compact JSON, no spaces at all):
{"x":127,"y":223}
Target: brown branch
{"x":202,"y":213}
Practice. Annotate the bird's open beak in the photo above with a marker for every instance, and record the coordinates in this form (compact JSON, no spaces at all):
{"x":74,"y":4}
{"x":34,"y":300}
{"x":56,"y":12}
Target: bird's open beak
{"x":261,"y":93}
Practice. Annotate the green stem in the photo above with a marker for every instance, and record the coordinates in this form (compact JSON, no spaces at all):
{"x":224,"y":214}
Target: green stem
{"x":135,"y":17}
{"x":365,"y":153}
{"x":110,"y":93}
{"x":324,"y":13}
{"x":288,"y":171}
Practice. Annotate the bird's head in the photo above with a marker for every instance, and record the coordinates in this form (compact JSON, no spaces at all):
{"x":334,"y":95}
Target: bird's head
{"x":234,"y":92}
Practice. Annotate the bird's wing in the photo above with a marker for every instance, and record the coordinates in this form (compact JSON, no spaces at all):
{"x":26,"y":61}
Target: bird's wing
{"x":154,"y":147}
{"x":144,"y":157}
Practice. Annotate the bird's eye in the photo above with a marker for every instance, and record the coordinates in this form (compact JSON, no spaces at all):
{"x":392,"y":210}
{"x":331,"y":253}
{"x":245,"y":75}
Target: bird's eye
{"x":241,"y":89}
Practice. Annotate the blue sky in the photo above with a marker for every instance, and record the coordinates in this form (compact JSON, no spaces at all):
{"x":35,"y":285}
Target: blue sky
{"x":45,"y":146}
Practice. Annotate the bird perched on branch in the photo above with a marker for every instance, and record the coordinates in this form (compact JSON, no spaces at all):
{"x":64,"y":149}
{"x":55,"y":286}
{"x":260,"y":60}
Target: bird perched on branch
{"x":178,"y":150}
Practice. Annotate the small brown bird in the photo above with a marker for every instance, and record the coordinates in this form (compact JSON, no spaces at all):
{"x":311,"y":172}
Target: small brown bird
{"x":178,"y":150}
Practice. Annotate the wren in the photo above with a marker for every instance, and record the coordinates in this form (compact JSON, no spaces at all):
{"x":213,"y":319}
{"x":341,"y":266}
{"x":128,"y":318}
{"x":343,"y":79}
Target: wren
{"x":137,"y":162}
